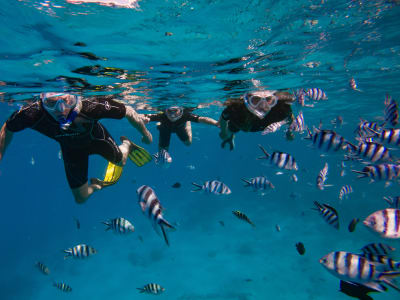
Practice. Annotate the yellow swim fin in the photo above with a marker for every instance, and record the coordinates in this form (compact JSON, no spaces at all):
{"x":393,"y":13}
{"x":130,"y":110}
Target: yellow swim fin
{"x":112,"y":175}
{"x":138,"y":155}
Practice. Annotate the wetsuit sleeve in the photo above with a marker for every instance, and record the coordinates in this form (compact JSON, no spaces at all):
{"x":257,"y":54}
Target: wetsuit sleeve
{"x":192,"y":117}
{"x":155,"y":117}
{"x":103,"y":108}
{"x":226,"y":114}
{"x":25,"y":117}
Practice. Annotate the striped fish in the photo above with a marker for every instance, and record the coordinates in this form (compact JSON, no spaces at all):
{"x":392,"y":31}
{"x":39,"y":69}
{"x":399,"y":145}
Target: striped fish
{"x":43,"y":268}
{"x":373,"y":151}
{"x":80,"y":251}
{"x":353,"y":84}
{"x":391,"y":111}
{"x":367,"y":128}
{"x":377,"y":249}
{"x":356,"y":268}
{"x":379,"y":172}
{"x":385,"y":222}
{"x":280,"y":159}
{"x":315,"y":94}
{"x":243,"y":217}
{"x":321,"y":178}
{"x":388,"y":136}
{"x":162,"y":158}
{"x":298,"y":124}
{"x":213,"y":187}
{"x":329,"y":214}
{"x":327,"y":140}
{"x":62,"y":286}
{"x":259,"y":183}
{"x":344,"y":191}
{"x":389,"y":264}
{"x":119,"y":225}
{"x":151,"y":207}
{"x":393,"y":202}
{"x":273,"y":127}
{"x":152,"y":288}
{"x":300,"y":96}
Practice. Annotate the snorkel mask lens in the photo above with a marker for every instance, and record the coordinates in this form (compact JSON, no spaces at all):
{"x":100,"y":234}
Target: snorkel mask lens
{"x":258,"y":105}
{"x":174,"y":113}
{"x":53,"y":100}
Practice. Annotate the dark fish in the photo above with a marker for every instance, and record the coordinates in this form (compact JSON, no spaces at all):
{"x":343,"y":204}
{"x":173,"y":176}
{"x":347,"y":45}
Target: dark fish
{"x":140,"y":238}
{"x":152,"y":288}
{"x":300,"y":248}
{"x":356,"y":290}
{"x":80,"y":44}
{"x":353,"y":224}
{"x":78,"y":224}
{"x":62,"y":286}
{"x":43,"y":268}
{"x":221,"y":223}
{"x":329,"y":214}
{"x":176,"y":185}
{"x":243,"y":217}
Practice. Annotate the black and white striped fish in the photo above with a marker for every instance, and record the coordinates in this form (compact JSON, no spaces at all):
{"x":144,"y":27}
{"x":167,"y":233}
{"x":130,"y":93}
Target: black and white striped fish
{"x":62,"y":286}
{"x":259,"y":183}
{"x":80,"y":251}
{"x":119,"y":225}
{"x":356,"y":268}
{"x":328,"y":140}
{"x":273,"y":127}
{"x":321,"y":178}
{"x":388,"y":263}
{"x":391,"y":111}
{"x":281,"y":160}
{"x":388,"y":136}
{"x":373,"y":151}
{"x":379,"y":172}
{"x":344,"y":191}
{"x":43,"y":268}
{"x":213,"y":187}
{"x":162,"y":158}
{"x":151,"y":207}
{"x":298,"y":124}
{"x":366,"y":128}
{"x":300,"y":96}
{"x":377,"y":249}
{"x":394,"y":202}
{"x":243,"y":217}
{"x":315,"y":94}
{"x":152,"y":288}
{"x":328,"y":213}
{"x":385,"y":222}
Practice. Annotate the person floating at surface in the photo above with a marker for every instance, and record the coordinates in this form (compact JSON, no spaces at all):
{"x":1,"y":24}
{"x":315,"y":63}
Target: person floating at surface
{"x":73,"y":122}
{"x":177,"y":119}
{"x":254,"y":111}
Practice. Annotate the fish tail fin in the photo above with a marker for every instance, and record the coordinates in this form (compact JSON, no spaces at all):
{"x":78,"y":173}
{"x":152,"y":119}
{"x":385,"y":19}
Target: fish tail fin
{"x":248,"y":183}
{"x":164,"y":222}
{"x":318,"y":206}
{"x":107,"y":224}
{"x":164,"y":234}
{"x":387,"y":277}
{"x":363,"y":174}
{"x":141,"y":290}
{"x":198,"y":187}
{"x":265,"y":152}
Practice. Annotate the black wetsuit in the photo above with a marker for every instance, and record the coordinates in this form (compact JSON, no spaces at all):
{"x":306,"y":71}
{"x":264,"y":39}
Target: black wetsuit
{"x":85,"y":136}
{"x":240,"y":118}
{"x":167,"y":126}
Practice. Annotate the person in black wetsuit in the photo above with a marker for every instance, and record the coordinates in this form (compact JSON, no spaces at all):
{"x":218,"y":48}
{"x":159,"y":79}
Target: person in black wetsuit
{"x":176,"y":119}
{"x":253,"y":112}
{"x":73,"y":122}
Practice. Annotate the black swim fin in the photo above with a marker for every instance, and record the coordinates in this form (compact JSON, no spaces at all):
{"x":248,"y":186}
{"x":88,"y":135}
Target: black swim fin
{"x":229,"y":141}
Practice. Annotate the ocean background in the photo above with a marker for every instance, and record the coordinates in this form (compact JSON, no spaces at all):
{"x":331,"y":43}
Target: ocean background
{"x":152,"y":54}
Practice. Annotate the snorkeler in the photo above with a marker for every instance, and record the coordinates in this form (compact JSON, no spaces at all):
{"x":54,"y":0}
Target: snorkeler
{"x":254,"y":111}
{"x":74,"y":123}
{"x":177,"y":119}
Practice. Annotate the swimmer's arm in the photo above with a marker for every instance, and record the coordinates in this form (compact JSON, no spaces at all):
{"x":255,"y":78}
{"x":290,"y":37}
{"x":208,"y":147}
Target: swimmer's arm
{"x":137,"y":121}
{"x":5,"y":139}
{"x":207,"y":120}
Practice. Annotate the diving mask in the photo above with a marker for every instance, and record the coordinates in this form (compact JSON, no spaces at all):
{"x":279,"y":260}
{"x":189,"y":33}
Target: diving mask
{"x":260,"y":103}
{"x":174,"y":113}
{"x":58,"y":101}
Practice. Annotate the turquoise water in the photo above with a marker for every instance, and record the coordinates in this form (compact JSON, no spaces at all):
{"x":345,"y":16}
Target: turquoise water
{"x":157,"y":53}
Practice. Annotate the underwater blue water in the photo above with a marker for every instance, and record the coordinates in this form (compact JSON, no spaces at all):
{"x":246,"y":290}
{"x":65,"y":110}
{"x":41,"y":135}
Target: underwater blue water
{"x":152,"y":54}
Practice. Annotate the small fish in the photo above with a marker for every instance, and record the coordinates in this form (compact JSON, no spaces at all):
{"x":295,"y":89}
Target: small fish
{"x":342,"y":172}
{"x":300,"y":96}
{"x":366,"y":128}
{"x":278,"y":228}
{"x":377,"y":249}
{"x":393,"y":202}
{"x":176,"y":185}
{"x":357,"y":290}
{"x":329,"y":214}
{"x":151,"y":207}
{"x":385,"y":222}
{"x":43,"y":268}
{"x":280,"y":159}
{"x":298,"y":124}
{"x":62,"y":286}
{"x":243,"y":217}
{"x":213,"y":187}
{"x":162,"y":158}
{"x":391,"y":111}
{"x":353,"y":84}
{"x":379,"y":172}
{"x":328,"y":140}
{"x":152,"y":288}
{"x":140,"y":238}
{"x":373,"y":151}
{"x":300,"y":248}
{"x":353,"y":224}
{"x":259,"y":183}
{"x":80,"y":251}
{"x":344,"y":191}
{"x":221,"y":223}
{"x":316,"y":94}
{"x":119,"y":225}
{"x":355,"y":268}
{"x":321,"y":178}
{"x":294,"y":178}
{"x":77,"y":223}
{"x":273,"y":127}
{"x":32,"y":161}
{"x":388,"y":136}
